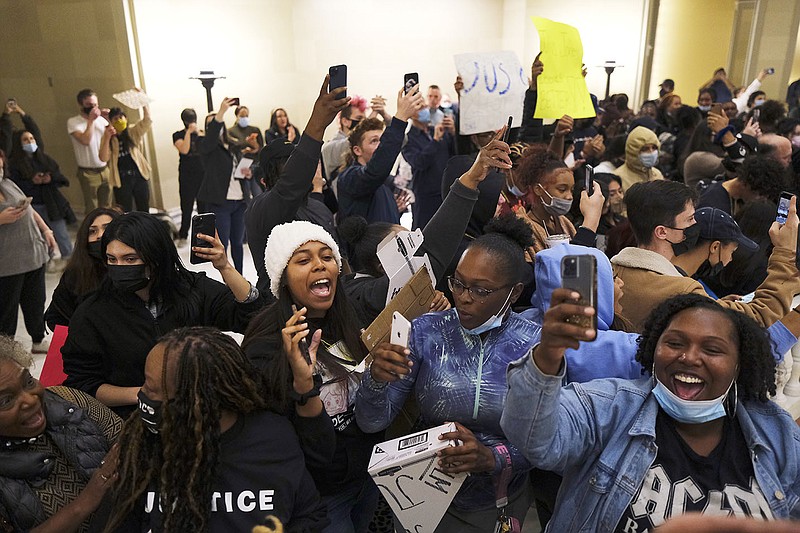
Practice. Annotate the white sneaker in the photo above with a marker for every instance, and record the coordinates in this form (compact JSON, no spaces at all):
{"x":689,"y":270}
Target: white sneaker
{"x":41,"y":347}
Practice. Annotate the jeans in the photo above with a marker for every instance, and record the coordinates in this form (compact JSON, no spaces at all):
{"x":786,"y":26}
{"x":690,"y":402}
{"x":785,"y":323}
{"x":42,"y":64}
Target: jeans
{"x":24,"y":290}
{"x":230,"y":226}
{"x":134,"y":187}
{"x":60,"y":232}
{"x":188,"y":186}
{"x":350,"y":509}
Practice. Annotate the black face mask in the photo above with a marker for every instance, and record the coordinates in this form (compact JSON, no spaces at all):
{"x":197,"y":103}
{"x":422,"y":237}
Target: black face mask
{"x":150,"y":411}
{"x":353,"y":124}
{"x":94,"y":250}
{"x":707,"y":270}
{"x":690,"y":237}
{"x":128,"y":278}
{"x":87,"y":110}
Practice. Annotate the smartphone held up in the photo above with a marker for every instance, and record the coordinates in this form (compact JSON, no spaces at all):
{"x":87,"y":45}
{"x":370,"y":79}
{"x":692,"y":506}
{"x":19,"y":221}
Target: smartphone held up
{"x":206,"y":224}
{"x":579,"y":274}
{"x":338,"y":78}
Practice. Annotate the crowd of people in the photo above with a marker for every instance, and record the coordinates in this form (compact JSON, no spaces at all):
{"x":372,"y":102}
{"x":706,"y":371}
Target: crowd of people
{"x":657,"y":416}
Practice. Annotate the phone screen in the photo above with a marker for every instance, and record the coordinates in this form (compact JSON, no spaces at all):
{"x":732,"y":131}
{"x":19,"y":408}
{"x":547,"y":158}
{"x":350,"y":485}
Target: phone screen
{"x":783,"y":207}
{"x":589,"y":180}
{"x":409,"y":81}
{"x":756,"y":115}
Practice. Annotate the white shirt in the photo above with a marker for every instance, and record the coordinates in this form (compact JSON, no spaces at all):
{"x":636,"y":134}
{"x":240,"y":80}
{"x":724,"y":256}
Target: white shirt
{"x":87,"y":156}
{"x":234,"y":188}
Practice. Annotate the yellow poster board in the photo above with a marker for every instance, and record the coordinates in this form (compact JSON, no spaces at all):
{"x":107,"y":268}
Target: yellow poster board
{"x":561,"y":87}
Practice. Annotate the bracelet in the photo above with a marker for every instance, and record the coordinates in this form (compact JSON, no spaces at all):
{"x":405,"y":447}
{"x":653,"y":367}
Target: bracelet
{"x":302,"y":399}
{"x":721,"y":133}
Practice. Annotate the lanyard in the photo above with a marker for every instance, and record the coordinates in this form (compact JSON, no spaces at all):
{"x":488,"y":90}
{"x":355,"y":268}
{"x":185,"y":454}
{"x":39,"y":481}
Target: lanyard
{"x":505,"y":524}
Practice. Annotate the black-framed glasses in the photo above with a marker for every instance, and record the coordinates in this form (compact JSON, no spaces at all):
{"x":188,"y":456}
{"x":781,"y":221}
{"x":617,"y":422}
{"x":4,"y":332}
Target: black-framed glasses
{"x":477,"y":293}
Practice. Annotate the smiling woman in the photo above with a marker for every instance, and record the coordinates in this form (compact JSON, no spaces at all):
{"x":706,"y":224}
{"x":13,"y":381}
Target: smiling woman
{"x":55,"y":463}
{"x":699,"y":431}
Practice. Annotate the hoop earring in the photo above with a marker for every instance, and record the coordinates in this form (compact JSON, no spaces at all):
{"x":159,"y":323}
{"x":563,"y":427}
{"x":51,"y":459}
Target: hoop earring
{"x":731,"y":410}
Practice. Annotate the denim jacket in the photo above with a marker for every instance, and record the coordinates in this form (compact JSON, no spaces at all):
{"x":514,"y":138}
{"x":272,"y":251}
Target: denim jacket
{"x":601,"y":437}
{"x":457,"y":377}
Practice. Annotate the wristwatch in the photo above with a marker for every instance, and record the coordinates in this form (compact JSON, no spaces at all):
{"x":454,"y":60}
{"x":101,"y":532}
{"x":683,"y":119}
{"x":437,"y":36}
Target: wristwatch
{"x":302,"y":399}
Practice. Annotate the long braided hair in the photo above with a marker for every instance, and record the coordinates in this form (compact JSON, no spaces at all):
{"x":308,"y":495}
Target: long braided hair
{"x":212,"y":375}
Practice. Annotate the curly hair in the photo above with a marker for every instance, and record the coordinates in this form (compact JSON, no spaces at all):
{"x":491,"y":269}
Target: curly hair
{"x":212,"y":375}
{"x":11,"y":350}
{"x":764,"y":175}
{"x":357,"y":135}
{"x":535,"y":164}
{"x":506,"y":238}
{"x":756,"y":380}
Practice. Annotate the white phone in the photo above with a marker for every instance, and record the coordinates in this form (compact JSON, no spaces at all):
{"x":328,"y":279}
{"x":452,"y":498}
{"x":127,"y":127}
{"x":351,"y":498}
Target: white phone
{"x":401,"y":329}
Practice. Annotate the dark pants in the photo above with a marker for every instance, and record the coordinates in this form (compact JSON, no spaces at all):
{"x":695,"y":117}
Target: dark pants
{"x":27,"y":291}
{"x":230,"y":226}
{"x":188,"y":186}
{"x":134,"y":188}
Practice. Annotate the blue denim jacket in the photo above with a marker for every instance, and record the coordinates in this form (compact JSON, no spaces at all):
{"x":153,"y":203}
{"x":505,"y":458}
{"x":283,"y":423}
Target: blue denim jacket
{"x":457,"y":377}
{"x":601,"y":437}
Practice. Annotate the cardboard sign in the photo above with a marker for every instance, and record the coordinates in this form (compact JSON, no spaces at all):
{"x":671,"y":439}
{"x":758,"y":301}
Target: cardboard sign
{"x":561,"y":87}
{"x":494,"y":89}
{"x":413,"y":300}
{"x":132,"y":98}
{"x":406,"y":472}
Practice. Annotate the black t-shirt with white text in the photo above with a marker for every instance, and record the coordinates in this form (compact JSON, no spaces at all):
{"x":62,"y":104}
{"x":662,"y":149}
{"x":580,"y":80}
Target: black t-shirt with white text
{"x":681,"y":481}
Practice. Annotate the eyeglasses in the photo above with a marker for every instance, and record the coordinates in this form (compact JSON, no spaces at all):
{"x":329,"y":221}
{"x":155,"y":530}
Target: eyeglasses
{"x":476,"y":293}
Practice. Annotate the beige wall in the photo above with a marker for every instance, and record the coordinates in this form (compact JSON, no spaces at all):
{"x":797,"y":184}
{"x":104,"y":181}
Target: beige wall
{"x":692,"y":41}
{"x":54,"y":48}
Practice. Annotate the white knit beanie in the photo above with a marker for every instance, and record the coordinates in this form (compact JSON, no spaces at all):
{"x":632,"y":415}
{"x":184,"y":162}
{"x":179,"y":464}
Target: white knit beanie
{"x":285,"y":239}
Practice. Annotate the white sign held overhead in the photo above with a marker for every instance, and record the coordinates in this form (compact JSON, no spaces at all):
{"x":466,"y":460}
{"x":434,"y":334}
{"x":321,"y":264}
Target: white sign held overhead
{"x":494,"y":89}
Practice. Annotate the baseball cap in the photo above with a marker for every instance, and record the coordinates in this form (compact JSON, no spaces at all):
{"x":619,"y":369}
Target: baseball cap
{"x":279,"y":148}
{"x":717,"y":225}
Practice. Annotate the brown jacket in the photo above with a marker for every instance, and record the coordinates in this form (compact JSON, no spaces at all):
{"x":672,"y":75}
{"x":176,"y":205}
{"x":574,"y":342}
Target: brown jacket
{"x":650,"y":279}
{"x":136,"y":132}
{"x":540,"y":233}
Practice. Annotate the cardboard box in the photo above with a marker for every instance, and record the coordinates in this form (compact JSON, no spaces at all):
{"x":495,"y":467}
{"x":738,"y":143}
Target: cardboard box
{"x":413,"y":300}
{"x":406,"y":472}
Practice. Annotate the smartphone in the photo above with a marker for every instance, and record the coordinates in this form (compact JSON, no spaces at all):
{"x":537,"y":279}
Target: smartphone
{"x":589,"y":180}
{"x":303,"y":343}
{"x":507,"y":133}
{"x":771,"y":70}
{"x":25,"y":202}
{"x":12,"y":101}
{"x":783,"y":207}
{"x":205,"y":223}
{"x":338,"y":74}
{"x":409,"y":80}
{"x":717,"y":109}
{"x":579,"y":273}
{"x":234,"y":101}
{"x":401,"y":329}
{"x":756,"y":115}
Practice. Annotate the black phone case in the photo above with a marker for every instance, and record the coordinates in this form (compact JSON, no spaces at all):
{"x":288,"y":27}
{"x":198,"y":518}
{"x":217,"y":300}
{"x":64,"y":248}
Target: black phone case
{"x":584,"y":284}
{"x":205,"y":223}
{"x":410,"y":77}
{"x":338,"y":79}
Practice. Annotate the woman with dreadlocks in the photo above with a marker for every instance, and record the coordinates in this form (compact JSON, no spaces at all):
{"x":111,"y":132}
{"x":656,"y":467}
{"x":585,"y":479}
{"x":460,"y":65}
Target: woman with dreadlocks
{"x":208,"y":451}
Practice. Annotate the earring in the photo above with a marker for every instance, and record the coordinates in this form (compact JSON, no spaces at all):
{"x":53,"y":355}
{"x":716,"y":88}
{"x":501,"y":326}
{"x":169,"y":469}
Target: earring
{"x":731,"y":410}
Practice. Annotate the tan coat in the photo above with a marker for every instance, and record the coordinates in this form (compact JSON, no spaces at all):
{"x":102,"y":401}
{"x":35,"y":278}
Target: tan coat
{"x":136,"y":132}
{"x":650,"y":279}
{"x":540,"y":234}
{"x":632,"y":171}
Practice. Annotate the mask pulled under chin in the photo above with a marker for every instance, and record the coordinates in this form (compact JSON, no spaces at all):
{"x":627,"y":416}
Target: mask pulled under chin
{"x":494,"y":321}
{"x":689,"y":411}
{"x":128,"y":278}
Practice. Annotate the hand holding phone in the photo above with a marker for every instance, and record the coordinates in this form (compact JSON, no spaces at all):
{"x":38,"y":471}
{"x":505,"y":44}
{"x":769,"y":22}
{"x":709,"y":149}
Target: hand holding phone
{"x":717,"y":109}
{"x":507,"y":133}
{"x":234,"y":101}
{"x":25,"y":202}
{"x":409,"y":81}
{"x":579,"y":273}
{"x":205,"y":223}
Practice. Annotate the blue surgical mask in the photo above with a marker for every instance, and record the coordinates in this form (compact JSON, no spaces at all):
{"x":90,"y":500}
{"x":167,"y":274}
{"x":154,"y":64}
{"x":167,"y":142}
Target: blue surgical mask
{"x":649,"y":159}
{"x":758,"y":102}
{"x":689,"y":411}
{"x":494,"y":321}
{"x":30,"y":148}
{"x":516,"y":192}
{"x":244,"y":122}
{"x":424,"y":115}
{"x":557,"y":206}
{"x":704,"y":108}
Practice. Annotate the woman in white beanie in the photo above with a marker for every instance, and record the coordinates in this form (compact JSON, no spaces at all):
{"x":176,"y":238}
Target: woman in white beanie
{"x":304,"y":263}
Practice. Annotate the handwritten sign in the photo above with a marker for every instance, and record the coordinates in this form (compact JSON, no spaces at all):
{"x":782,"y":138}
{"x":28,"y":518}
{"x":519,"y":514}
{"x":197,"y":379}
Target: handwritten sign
{"x":561,"y":87}
{"x":407,"y":473}
{"x":494,"y":89}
